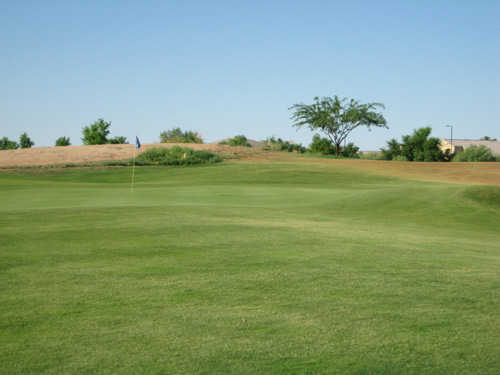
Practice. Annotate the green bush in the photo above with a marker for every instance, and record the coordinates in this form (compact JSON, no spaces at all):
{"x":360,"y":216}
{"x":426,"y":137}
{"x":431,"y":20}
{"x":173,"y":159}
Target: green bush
{"x":176,"y":156}
{"x":239,"y":140}
{"x":415,"y":147}
{"x":394,"y":150}
{"x":321,"y":145}
{"x":118,"y":140}
{"x":324,"y":146}
{"x":63,"y":141}
{"x":350,"y":151}
{"x":278,"y":144}
{"x":176,"y":135}
{"x":7,"y":144}
{"x":475,"y":153}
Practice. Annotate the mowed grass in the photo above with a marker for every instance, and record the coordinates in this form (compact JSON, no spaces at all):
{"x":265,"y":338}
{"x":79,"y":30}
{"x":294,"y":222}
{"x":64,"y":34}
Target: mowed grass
{"x":247,"y":268}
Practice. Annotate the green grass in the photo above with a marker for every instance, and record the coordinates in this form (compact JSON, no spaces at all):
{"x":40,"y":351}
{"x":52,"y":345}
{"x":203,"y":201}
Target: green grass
{"x":242,"y":268}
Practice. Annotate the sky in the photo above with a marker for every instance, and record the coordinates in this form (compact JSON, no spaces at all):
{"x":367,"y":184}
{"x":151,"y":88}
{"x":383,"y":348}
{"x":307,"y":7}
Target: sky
{"x":224,"y":68}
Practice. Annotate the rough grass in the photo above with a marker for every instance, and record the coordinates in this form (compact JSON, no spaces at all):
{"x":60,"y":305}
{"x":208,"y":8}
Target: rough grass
{"x":245,"y":268}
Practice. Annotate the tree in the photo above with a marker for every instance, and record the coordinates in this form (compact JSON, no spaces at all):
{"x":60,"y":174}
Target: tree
{"x":393,"y":150}
{"x":415,"y":147}
{"x":337,"y":117}
{"x":419,"y":147}
{"x":7,"y":144}
{"x":96,"y":133}
{"x":488,"y":138}
{"x":63,"y":141}
{"x":176,"y":135}
{"x":25,"y":141}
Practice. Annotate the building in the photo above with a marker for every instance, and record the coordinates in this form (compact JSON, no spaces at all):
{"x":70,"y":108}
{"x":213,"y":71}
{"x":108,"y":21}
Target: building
{"x":460,"y":145}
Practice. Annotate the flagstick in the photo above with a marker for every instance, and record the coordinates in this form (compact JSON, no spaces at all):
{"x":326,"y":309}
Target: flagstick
{"x":133,"y":173}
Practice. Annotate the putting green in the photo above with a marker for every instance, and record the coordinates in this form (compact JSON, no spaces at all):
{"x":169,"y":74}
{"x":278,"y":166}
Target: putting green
{"x":245,"y":268}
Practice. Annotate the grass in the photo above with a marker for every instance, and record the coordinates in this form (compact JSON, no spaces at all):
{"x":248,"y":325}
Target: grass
{"x":245,"y":268}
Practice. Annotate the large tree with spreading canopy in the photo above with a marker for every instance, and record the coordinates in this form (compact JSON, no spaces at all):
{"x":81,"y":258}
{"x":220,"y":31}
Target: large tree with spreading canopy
{"x":337,"y":117}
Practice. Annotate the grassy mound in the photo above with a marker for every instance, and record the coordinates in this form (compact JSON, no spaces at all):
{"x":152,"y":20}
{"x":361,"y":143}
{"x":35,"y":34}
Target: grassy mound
{"x":247,"y":268}
{"x":489,"y":195}
{"x":176,"y":156}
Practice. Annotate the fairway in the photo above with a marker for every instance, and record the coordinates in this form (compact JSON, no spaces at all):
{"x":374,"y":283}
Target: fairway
{"x":247,"y":267}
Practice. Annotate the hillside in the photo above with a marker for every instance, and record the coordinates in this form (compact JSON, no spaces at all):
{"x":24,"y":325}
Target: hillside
{"x":84,"y":154}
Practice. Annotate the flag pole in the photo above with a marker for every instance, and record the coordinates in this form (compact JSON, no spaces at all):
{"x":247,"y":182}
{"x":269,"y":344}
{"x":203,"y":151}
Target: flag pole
{"x":137,"y":146}
{"x":133,"y":172}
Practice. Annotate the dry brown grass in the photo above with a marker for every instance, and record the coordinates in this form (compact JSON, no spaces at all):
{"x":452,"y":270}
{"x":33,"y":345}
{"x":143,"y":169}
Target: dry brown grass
{"x":42,"y":156}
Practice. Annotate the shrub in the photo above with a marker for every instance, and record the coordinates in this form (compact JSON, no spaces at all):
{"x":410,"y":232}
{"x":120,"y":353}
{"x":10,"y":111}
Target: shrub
{"x":117,"y":140}
{"x":239,"y":140}
{"x":475,"y":153}
{"x":322,"y":145}
{"x":419,"y":147}
{"x":7,"y":144}
{"x":25,"y":141}
{"x":278,"y":144}
{"x":176,"y":156}
{"x":415,"y":147}
{"x":350,"y":151}
{"x":63,"y":141}
{"x":394,"y":149}
{"x":176,"y":135}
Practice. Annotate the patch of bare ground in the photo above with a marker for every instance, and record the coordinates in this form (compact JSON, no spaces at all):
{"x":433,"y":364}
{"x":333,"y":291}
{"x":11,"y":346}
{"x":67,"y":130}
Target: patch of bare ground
{"x":43,"y":156}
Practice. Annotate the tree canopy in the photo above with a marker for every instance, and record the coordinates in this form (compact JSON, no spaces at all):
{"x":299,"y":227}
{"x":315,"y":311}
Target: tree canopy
{"x":415,"y":147}
{"x":7,"y":144}
{"x":63,"y":141}
{"x":25,"y":141}
{"x":176,"y":135}
{"x":97,"y":134}
{"x":337,"y":117}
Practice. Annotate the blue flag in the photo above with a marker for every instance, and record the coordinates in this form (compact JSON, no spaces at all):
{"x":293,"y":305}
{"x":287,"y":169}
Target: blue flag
{"x":137,"y":143}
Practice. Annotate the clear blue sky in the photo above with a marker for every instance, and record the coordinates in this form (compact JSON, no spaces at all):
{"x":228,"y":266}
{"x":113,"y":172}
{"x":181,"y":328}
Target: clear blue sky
{"x":230,"y":67}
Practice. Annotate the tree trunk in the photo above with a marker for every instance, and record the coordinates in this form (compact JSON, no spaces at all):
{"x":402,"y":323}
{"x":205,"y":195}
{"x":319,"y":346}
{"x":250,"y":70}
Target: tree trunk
{"x":337,"y":149}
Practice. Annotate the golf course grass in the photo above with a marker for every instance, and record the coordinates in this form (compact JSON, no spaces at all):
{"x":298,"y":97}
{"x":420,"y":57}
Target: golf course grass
{"x":247,"y":268}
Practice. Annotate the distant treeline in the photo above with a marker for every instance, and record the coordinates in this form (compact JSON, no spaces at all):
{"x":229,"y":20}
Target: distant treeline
{"x":334,"y":117}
